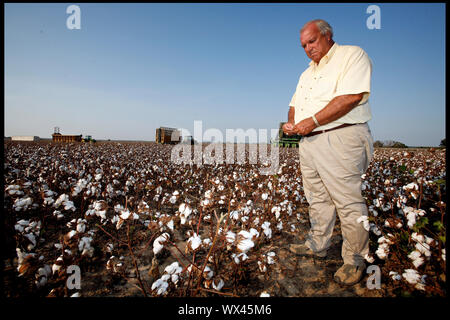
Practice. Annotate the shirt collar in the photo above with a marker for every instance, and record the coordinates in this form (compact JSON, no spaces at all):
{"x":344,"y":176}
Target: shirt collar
{"x":327,"y":56}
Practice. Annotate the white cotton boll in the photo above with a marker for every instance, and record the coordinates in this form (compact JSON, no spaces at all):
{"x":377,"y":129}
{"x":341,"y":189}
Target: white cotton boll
{"x":416,"y":258}
{"x":185,"y":209}
{"x":85,"y":243}
{"x":208,"y":273}
{"x":230,"y":237}
{"x":88,"y":252}
{"x":264,"y":294}
{"x":238,"y":258}
{"x":172,"y":268}
{"x":264,"y":196}
{"x":62,"y":198}
{"x":165,"y":277}
{"x":423,"y":248}
{"x":55,"y":268}
{"x":45,"y":271}
{"x":109,"y":247}
{"x":71,"y":233}
{"x":266,"y":229}
{"x":382,"y":251}
{"x":411,"y":186}
{"x":125,"y":214}
{"x":160,"y":285}
{"x":81,"y":226}
{"x":194,"y":242}
{"x":365,"y":221}
{"x":170,"y":225}
{"x":276,"y":210}
{"x":270,"y":257}
{"x":18,"y":227}
{"x":254,"y":233}
{"x":68,"y":205}
{"x":429,"y":241}
{"x":369,"y":258}
{"x":411,"y":275}
{"x":218,"y":284}
{"x":158,"y":244}
{"x":234,"y":215}
{"x":173,"y":199}
{"x":48,"y":201}
{"x":174,"y":278}
{"x":41,"y":282}
{"x":207,"y":242}
{"x":262,"y":267}
{"x":245,"y":234}
{"x":417,"y":237}
{"x":245,"y":244}
{"x":411,"y":216}
{"x":32,"y":238}
{"x":280,"y":225}
{"x":208,"y":194}
{"x":395,"y":276}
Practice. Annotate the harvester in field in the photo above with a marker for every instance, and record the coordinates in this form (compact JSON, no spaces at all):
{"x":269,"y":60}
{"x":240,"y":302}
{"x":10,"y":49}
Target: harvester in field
{"x":88,"y":139}
{"x":283,"y":140}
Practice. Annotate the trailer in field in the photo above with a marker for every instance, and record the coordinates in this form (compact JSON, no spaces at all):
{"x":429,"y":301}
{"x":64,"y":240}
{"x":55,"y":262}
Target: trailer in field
{"x":25,"y":138}
{"x":166,"y":135}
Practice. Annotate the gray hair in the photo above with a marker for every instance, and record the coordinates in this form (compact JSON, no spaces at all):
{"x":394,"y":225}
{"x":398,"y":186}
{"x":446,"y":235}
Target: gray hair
{"x":323,"y":26}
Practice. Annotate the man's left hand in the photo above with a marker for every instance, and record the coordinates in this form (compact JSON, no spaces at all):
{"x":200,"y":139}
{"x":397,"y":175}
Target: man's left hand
{"x":305,"y":126}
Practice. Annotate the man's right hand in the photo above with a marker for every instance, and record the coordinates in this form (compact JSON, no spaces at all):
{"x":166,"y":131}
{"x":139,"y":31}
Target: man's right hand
{"x":288,"y":128}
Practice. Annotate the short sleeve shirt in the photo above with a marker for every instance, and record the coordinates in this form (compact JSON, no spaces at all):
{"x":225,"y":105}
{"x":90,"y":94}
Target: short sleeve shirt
{"x":343,"y":70}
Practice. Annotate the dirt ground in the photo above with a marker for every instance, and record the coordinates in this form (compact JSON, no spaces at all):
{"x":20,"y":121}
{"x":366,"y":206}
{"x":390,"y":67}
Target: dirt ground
{"x":290,"y":276}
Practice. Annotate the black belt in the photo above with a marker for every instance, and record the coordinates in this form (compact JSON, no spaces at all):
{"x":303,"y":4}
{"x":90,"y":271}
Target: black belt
{"x":313,"y":133}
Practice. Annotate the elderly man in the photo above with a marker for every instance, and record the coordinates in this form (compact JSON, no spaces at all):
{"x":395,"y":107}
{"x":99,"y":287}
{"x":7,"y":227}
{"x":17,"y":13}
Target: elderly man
{"x":330,"y":110}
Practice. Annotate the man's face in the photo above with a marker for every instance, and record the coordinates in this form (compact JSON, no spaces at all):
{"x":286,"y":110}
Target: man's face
{"x":315,"y":44}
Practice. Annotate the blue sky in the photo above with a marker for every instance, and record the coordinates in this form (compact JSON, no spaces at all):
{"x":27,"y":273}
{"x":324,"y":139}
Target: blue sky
{"x":134,"y":67}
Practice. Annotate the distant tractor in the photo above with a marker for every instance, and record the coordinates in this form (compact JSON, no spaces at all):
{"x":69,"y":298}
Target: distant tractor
{"x":89,"y":139}
{"x":167,"y":135}
{"x":287,"y":141}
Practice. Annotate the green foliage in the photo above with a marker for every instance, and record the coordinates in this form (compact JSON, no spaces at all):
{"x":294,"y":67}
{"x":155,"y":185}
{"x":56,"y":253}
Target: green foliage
{"x":440,"y":182}
{"x":422,"y":222}
{"x":438,"y":225}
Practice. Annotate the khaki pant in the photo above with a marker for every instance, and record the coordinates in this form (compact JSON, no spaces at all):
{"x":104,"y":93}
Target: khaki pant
{"x":331,"y":164}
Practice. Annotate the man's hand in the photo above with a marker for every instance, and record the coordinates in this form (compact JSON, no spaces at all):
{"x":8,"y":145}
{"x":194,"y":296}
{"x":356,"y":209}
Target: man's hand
{"x":305,"y":126}
{"x":288,"y":128}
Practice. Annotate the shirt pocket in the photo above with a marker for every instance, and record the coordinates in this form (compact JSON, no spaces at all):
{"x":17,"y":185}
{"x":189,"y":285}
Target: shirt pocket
{"x":323,"y":87}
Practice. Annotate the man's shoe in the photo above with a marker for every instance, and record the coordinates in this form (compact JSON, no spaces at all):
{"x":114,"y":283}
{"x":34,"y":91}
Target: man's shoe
{"x":349,"y":274}
{"x":303,"y":250}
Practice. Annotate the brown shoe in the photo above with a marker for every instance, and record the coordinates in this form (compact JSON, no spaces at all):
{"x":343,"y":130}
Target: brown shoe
{"x":349,"y":274}
{"x":303,"y":250}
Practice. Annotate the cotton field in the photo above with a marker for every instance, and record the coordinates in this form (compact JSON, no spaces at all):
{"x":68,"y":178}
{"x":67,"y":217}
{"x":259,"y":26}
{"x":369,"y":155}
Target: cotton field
{"x":124,"y":214}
